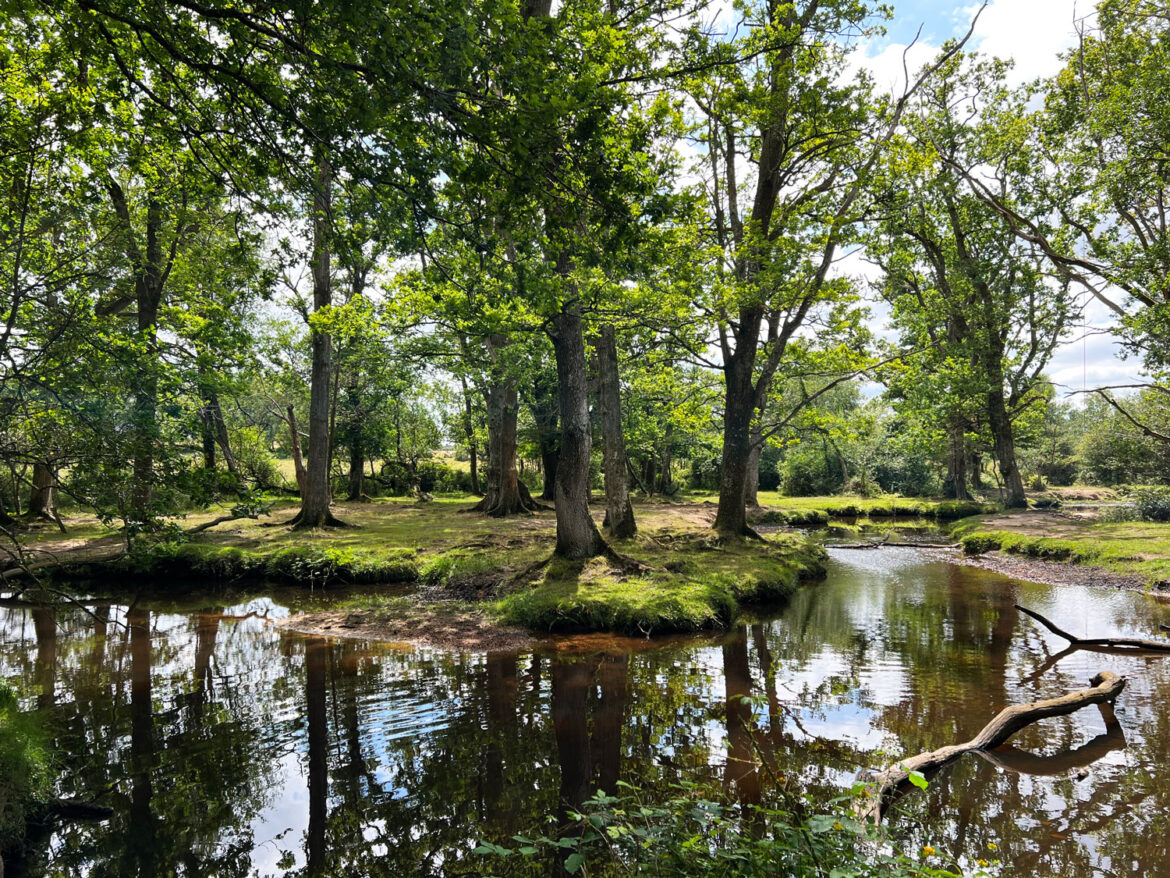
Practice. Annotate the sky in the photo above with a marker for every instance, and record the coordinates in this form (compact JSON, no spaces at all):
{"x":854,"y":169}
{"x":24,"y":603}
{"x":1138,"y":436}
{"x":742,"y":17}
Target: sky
{"x":1033,"y":34}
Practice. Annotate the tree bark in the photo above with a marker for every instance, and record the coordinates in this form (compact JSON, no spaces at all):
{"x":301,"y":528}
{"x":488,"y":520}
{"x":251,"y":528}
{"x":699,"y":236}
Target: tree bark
{"x":148,"y":293}
{"x":42,"y":500}
{"x":469,"y":435}
{"x":738,"y":411}
{"x":357,"y":462}
{"x":619,"y":512}
{"x":1005,"y":446}
{"x":955,"y":485}
{"x":751,"y":488}
{"x":506,"y":494}
{"x":295,"y":450}
{"x":315,"y":499}
{"x":544,"y":413}
{"x":577,"y":535}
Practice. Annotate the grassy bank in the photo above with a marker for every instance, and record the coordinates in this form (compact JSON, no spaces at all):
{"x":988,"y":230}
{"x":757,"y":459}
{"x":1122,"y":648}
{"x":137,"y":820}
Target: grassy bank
{"x":674,"y":577}
{"x":689,"y":584}
{"x":1131,"y":548}
{"x":805,"y":511}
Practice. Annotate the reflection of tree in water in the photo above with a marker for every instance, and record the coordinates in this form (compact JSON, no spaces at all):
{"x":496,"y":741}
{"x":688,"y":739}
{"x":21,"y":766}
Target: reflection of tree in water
{"x":411,"y":759}
{"x":143,"y":732}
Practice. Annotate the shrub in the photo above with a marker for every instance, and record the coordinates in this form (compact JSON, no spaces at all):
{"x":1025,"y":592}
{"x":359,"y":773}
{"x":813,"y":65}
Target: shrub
{"x":1152,"y":503}
{"x":697,"y":832}
{"x":255,"y":459}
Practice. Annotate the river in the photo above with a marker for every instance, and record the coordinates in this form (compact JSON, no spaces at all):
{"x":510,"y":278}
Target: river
{"x":229,"y":747}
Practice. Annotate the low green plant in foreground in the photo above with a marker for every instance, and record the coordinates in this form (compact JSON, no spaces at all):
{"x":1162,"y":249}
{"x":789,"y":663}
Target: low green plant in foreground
{"x":693,"y":835}
{"x":25,"y":771}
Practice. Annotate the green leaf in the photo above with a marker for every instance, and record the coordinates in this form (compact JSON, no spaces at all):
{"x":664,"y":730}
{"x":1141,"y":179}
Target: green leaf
{"x":574,"y":862}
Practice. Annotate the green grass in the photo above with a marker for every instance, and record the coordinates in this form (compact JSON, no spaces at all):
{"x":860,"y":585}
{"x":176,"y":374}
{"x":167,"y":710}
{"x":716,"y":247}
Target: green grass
{"x":1132,"y":548}
{"x":818,"y":510}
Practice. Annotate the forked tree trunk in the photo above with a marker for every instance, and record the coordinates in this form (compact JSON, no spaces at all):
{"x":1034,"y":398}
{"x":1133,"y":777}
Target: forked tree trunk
{"x":506,"y":494}
{"x":315,"y":493}
{"x":619,"y":512}
{"x":577,"y":535}
{"x":1005,"y":448}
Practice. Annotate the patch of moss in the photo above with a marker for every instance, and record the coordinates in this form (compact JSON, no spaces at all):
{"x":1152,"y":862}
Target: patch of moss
{"x":686,"y":594}
{"x":295,"y":565}
{"x":450,"y":568}
{"x":25,"y":770}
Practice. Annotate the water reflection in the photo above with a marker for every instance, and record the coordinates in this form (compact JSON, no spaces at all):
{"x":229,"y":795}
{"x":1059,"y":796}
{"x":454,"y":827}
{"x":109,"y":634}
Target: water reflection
{"x":226,"y":747}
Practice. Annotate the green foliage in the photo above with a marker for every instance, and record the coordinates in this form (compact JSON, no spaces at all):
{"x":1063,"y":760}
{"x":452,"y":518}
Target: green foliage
{"x":1152,"y":504}
{"x":25,"y":770}
{"x":692,"y":834}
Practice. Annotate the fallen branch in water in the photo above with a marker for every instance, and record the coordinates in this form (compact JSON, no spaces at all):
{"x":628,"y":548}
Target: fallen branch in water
{"x":1022,"y":762}
{"x":1123,"y":643}
{"x":1106,"y":686}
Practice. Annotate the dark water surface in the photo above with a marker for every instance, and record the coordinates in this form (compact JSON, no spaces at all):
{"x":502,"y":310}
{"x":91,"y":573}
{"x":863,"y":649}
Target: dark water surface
{"x":227,"y":747}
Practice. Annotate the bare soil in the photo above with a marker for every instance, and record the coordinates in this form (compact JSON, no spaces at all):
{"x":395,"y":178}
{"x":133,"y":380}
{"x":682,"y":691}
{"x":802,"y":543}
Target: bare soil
{"x":1049,"y":572}
{"x":455,"y":630}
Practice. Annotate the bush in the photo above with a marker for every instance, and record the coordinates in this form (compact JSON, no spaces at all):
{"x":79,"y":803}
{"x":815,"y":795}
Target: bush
{"x":805,"y":471}
{"x":1152,"y":504}
{"x":255,"y":459}
{"x":697,"y":833}
{"x":704,"y":473}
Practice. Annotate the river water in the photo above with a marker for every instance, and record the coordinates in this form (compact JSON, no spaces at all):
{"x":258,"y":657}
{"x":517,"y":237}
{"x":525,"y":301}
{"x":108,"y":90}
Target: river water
{"x":228,"y":747}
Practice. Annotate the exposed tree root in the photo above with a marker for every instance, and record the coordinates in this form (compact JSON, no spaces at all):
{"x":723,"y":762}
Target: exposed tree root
{"x":1103,"y":643}
{"x":298,"y":522}
{"x":895,"y":780}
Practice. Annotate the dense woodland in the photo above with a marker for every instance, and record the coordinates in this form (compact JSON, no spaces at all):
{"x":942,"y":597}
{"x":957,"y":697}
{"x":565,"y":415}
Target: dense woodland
{"x":531,"y":253}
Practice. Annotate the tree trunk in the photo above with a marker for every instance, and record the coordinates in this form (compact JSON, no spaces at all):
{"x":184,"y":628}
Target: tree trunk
{"x":357,"y":462}
{"x":469,"y":436}
{"x":1005,"y":448}
{"x":544,"y":414}
{"x":149,"y":286}
{"x":955,"y":485}
{"x":215,"y":431}
{"x":665,"y":468}
{"x":506,"y":494}
{"x":295,"y":450}
{"x":619,"y":513}
{"x":42,"y":500}
{"x":577,"y":535}
{"x":738,"y":410}
{"x":315,"y":492}
{"x":975,"y":468}
{"x":751,"y":488}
